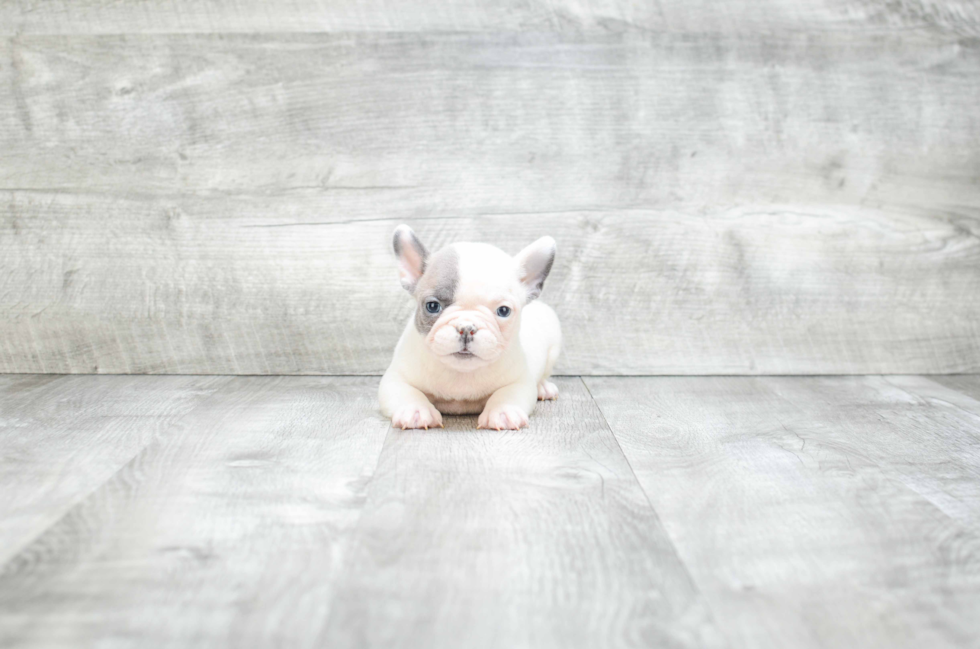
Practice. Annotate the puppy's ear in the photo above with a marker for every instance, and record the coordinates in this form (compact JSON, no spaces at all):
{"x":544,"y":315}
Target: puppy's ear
{"x":534,"y":264}
{"x":411,"y":256}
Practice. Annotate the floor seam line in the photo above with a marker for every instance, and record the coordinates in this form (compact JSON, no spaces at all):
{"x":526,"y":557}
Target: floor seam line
{"x":355,"y":528}
{"x":673,"y":544}
{"x":75,"y":504}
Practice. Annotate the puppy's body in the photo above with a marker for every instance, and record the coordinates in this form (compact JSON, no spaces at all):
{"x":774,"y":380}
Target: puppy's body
{"x":453,"y":392}
{"x":458,"y":354}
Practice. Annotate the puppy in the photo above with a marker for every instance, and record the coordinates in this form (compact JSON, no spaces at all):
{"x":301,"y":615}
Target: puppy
{"x":477,"y":342}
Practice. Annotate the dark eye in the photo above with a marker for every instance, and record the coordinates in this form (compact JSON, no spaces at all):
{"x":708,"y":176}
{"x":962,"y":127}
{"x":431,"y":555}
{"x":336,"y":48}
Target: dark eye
{"x":433,"y":307}
{"x":503,"y":311}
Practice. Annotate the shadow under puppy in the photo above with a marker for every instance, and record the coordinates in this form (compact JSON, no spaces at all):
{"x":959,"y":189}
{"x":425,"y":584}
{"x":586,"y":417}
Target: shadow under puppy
{"x":478,"y":341}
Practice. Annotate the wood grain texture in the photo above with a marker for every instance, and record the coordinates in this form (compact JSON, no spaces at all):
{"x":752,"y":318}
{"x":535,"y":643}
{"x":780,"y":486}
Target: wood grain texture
{"x":968,"y":384}
{"x":794,"y":203}
{"x":228,"y":532}
{"x":261,"y":511}
{"x":62,"y":437}
{"x":464,"y":124}
{"x":169,"y":16}
{"x":814,"y":512}
{"x":738,"y":291}
{"x":912,"y":428}
{"x":538,"y":538}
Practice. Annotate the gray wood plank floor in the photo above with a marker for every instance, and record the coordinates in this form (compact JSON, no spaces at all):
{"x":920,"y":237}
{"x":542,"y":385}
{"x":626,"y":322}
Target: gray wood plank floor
{"x":668,"y":511}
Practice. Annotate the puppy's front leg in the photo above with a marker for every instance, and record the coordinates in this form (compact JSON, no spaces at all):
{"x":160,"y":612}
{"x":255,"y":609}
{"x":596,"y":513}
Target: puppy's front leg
{"x":406,"y":405}
{"x":509,"y":407}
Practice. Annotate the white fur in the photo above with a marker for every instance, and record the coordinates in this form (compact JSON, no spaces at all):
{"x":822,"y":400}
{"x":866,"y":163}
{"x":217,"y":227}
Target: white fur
{"x":512,"y":357}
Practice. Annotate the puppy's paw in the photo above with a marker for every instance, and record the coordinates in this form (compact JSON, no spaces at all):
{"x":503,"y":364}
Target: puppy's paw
{"x":503,"y":417}
{"x":547,"y":391}
{"x":415,"y":416}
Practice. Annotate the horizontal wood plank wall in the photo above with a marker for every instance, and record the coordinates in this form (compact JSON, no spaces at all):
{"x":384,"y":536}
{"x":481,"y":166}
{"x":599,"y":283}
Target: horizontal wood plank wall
{"x":724,"y":203}
{"x":249,"y":16}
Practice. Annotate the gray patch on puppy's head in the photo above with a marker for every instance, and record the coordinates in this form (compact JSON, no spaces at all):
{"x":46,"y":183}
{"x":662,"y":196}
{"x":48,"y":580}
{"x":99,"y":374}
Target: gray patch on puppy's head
{"x":439,"y":282}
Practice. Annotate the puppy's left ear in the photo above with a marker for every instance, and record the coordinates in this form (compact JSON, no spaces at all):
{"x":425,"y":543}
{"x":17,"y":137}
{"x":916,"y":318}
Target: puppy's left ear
{"x":411,"y":256}
{"x":534,"y":264}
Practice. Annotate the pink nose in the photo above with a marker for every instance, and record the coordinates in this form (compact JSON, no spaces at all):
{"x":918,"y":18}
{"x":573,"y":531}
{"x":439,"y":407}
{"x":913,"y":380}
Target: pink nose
{"x":466,"y":329}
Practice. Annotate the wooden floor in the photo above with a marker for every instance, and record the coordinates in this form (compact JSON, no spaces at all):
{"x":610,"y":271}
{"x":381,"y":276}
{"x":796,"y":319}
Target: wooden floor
{"x":187,"y":511}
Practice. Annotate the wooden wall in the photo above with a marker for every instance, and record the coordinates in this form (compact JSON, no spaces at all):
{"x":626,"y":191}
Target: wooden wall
{"x":761,"y":186}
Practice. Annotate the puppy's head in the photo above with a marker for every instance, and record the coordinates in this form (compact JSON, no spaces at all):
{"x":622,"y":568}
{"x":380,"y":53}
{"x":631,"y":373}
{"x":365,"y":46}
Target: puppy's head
{"x":470,"y":295}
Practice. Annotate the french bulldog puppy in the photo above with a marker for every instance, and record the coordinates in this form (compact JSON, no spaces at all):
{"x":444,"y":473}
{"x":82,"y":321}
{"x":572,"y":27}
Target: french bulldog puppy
{"x":478,"y":341}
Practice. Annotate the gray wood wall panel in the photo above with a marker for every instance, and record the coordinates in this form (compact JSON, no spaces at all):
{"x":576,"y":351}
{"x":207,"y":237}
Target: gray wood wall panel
{"x":536,"y":538}
{"x":169,"y":16}
{"x":791,"y":203}
{"x":814,"y":512}
{"x":639,"y":291}
{"x":62,"y":437}
{"x":499,"y":122}
{"x":230,"y":531}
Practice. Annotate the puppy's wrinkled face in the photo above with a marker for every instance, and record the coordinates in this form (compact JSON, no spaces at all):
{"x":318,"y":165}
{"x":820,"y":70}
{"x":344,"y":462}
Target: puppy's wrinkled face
{"x":469,"y":302}
{"x":470,"y":295}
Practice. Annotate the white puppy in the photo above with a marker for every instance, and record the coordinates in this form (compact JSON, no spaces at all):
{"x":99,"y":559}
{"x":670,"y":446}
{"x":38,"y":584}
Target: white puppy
{"x":477,"y":342}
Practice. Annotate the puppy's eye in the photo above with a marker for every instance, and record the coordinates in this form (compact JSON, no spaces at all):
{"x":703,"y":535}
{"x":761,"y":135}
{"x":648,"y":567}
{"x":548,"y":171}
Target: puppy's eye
{"x":433,"y":307}
{"x":503,"y":311}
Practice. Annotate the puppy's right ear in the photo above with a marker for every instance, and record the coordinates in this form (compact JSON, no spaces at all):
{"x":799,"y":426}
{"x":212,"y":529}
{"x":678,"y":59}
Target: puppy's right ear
{"x":411,"y":256}
{"x":534,"y":263}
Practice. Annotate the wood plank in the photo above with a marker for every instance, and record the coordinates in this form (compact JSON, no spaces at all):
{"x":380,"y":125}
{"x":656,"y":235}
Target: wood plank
{"x":917,"y":431}
{"x":63,"y":437}
{"x":538,"y":538}
{"x":141,"y":173}
{"x":968,"y":384}
{"x":798,"y":503}
{"x":228,"y":532}
{"x":496,"y":123}
{"x":170,"y":16}
{"x":97,"y":287}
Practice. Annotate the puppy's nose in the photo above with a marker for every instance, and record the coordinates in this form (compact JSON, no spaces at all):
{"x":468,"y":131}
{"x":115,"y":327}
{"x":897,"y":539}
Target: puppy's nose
{"x":466,"y":329}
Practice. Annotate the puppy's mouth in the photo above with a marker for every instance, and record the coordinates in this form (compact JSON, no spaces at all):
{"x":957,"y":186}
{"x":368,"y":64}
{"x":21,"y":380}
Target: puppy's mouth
{"x":463,"y":353}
